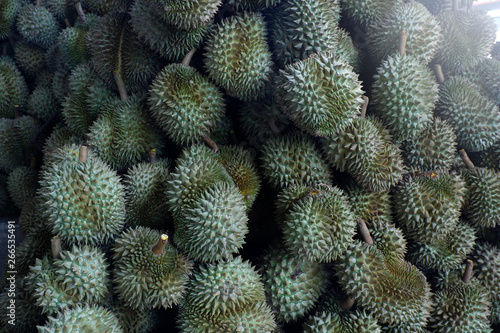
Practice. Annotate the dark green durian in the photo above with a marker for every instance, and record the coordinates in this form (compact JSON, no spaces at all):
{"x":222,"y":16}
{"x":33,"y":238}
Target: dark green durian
{"x":61,"y":9}
{"x":242,"y":69}
{"x":135,"y":320}
{"x":332,"y":322}
{"x":369,"y":205}
{"x":8,"y":10}
{"x":29,"y":57}
{"x":13,"y":88}
{"x":16,"y":142}
{"x":22,"y":185}
{"x":366,"y":12}
{"x":59,"y":137}
{"x":37,"y":25}
{"x":491,"y":157}
{"x":60,"y":85}
{"x":42,"y":102}
{"x":293,"y":159}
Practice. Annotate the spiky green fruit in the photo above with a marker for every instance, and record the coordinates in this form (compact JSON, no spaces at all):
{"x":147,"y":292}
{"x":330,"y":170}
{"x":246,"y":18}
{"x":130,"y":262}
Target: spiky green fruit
{"x":468,"y":37}
{"x":433,"y":149}
{"x":482,"y":201}
{"x":491,"y":157}
{"x":253,"y":4}
{"x":292,"y":284}
{"x":83,"y":319}
{"x":369,"y":205}
{"x":486,"y":75}
{"x":405,"y":92}
{"x":29,"y":57}
{"x":72,"y":42}
{"x":188,"y":14}
{"x":475,"y":118}
{"x":60,"y":85}
{"x":437,"y":7}
{"x":146,"y":275}
{"x":14,"y":90}
{"x":83,"y":201}
{"x":242,"y":69}
{"x":86,"y":97}
{"x":145,"y":185}
{"x":423,"y":30}
{"x":486,"y":258}
{"x":22,"y":185}
{"x":317,"y":221}
{"x":16,"y":141}
{"x":8,"y":10}
{"x":78,"y":277}
{"x":135,"y":320}
{"x":321,"y":94}
{"x":366,"y":12}
{"x":116,"y":49}
{"x":42,"y":102}
{"x":61,"y":9}
{"x":171,"y":42}
{"x":348,"y":50}
{"x":185,"y":104}
{"x":293,"y":159}
{"x":377,"y":276}
{"x":333,"y":322}
{"x":428,"y":205}
{"x":447,"y":253}
{"x":296,"y":34}
{"x":37,"y":25}
{"x":225,"y":297}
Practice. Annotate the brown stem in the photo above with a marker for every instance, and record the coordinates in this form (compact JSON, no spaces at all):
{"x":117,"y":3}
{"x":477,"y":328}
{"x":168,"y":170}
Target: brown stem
{"x":81,"y":13}
{"x":468,"y":271}
{"x":274,"y":127}
{"x":187,"y":58}
{"x":66,"y":21}
{"x":364,"y":107}
{"x":347,"y":303}
{"x":403,"y":37}
{"x":438,"y":71}
{"x":152,"y":156}
{"x":121,"y":85}
{"x":55,"y":246}
{"x":211,"y":143}
{"x":364,"y":232}
{"x":157,"y":249}
{"x":466,"y":159}
{"x":84,"y":154}
{"x":17,"y":111}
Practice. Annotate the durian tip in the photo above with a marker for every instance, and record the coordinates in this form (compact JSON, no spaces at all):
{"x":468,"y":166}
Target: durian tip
{"x":469,"y":265}
{"x":468,"y":163}
{"x":347,"y":303}
{"x":157,"y":249}
{"x":211,"y":143}
{"x":152,"y":156}
{"x":81,"y":13}
{"x":55,"y":246}
{"x":438,"y":71}
{"x":403,"y":38}
{"x":83,"y":154}
{"x":364,"y":107}
{"x":364,"y":232}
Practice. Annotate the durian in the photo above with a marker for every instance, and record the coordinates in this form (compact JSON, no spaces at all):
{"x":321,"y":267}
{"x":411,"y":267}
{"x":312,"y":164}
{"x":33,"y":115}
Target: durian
{"x":29,"y":57}
{"x":8,"y":10}
{"x":14,"y":90}
{"x":22,"y":185}
{"x":366,"y":12}
{"x":37,"y":25}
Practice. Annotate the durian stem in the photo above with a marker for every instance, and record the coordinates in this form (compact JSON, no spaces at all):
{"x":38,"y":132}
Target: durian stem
{"x":364,"y":232}
{"x":347,"y":303}
{"x":83,"y":154}
{"x":157,"y":249}
{"x":466,"y":159}
{"x":438,"y":71}
{"x":66,"y":21}
{"x":468,"y":271}
{"x":17,"y":111}
{"x":364,"y":107}
{"x":152,"y":156}
{"x":187,"y":58}
{"x":121,"y":85}
{"x":403,"y":37}
{"x":274,"y":127}
{"x":81,"y":13}
{"x":33,"y":163}
{"x":211,"y":143}
{"x":55,"y":246}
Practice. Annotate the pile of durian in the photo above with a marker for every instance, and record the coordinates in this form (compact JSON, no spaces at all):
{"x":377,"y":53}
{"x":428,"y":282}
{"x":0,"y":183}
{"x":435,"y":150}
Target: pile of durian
{"x":215,"y":166}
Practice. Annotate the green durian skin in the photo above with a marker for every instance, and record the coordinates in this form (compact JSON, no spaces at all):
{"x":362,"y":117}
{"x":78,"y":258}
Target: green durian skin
{"x":104,"y":7}
{"x":366,"y":12}
{"x":9,"y":9}
{"x":72,"y":42}
{"x":241,"y":69}
{"x":491,"y":157}
{"x":29,"y":57}
{"x":369,"y":205}
{"x":486,"y":75}
{"x":14,"y":88}
{"x":185,"y":104}
{"x":37,"y":25}
{"x":22,"y":185}
{"x":42,"y":102}
{"x":16,"y":142}
{"x":335,"y":322}
{"x":486,"y":258}
{"x":253,"y":4}
{"x":437,"y":7}
{"x":135,"y":320}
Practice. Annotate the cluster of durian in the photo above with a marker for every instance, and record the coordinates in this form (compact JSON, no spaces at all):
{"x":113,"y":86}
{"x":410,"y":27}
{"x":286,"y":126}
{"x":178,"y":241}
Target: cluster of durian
{"x":251,"y":166}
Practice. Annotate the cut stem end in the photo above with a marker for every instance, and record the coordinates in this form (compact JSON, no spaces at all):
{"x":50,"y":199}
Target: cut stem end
{"x":56,"y":247}
{"x":83,"y":154}
{"x":348,"y":303}
{"x":438,"y":71}
{"x":466,"y":159}
{"x":364,"y":232}
{"x":403,"y":38}
{"x":211,"y":143}
{"x":469,"y":265}
{"x":157,"y":249}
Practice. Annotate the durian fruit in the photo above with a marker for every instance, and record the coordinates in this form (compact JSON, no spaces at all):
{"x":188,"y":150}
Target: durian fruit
{"x":169,"y":41}
{"x":427,"y":205}
{"x":86,"y":97}
{"x":424,"y":33}
{"x":79,"y":276}
{"x":83,"y":319}
{"x":366,"y":12}
{"x":437,"y":7}
{"x":60,"y":85}
{"x":405,"y":92}
{"x":240,"y":165}
{"x":317,"y":221}
{"x":13,"y":88}
{"x":8,"y":10}
{"x":433,"y":149}
{"x":321,"y":94}
{"x":145,"y":185}
{"x":42,"y":102}
{"x":292,"y":284}
{"x":468,"y":37}
{"x":446,"y":253}
{"x":299,"y":28}
{"x":30,"y":58}
{"x":491,"y":157}
{"x":225,"y":297}
{"x":253,"y":4}
{"x":486,"y":75}
{"x":369,"y":205}
{"x":348,"y":50}
{"x":482,"y":200}
{"x":37,"y":25}
{"x":148,"y":271}
{"x":83,"y":201}
{"x":293,"y":159}
{"x":241,"y":69}
{"x":61,"y":136}
{"x":124,"y":134}
{"x":61,"y":9}
{"x":117,"y":51}
{"x":135,"y":320}
{"x":16,"y":142}
{"x":22,"y":185}
{"x":461,"y":307}
{"x":376,"y":275}
{"x":475,"y":118}
{"x":185,"y":104}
